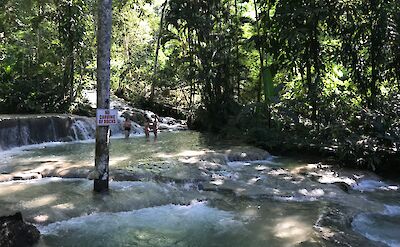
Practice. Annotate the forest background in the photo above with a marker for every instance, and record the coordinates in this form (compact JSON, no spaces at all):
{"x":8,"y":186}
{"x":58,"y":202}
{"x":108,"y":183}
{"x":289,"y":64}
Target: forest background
{"x":321,"y":76}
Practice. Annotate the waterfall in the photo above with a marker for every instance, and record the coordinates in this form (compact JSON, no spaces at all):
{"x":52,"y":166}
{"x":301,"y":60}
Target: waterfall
{"x":16,"y":131}
{"x":83,"y":129}
{"x":22,"y":130}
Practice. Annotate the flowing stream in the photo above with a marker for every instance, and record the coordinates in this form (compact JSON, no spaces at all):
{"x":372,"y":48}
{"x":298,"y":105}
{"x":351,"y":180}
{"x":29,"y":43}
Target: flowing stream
{"x":188,"y":189}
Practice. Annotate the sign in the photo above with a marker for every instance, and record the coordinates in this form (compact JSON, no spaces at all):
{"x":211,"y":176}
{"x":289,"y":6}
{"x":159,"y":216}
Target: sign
{"x":106,"y":117}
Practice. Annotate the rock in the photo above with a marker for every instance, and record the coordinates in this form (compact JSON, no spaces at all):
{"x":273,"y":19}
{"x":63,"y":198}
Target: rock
{"x":123,"y":175}
{"x":200,"y":187}
{"x":93,"y":175}
{"x":14,"y":232}
{"x":334,"y":226}
{"x":5,"y":177}
{"x":73,"y":173}
{"x":214,"y":160}
{"x":303,"y":171}
{"x":27,"y":176}
{"x":34,"y":129}
{"x":246,"y":153}
{"x":343,"y":186}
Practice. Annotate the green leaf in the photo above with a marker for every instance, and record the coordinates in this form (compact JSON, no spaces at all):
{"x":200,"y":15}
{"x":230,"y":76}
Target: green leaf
{"x":8,"y":69}
{"x":269,"y":90}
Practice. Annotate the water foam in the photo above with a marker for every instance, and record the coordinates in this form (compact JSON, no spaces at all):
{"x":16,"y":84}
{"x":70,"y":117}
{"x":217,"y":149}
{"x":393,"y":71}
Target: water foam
{"x":376,"y":228}
{"x":192,"y":222}
{"x":369,"y":185}
{"x":40,"y":181}
{"x":241,"y":164}
{"x":82,"y":130}
{"x":15,"y":151}
{"x":312,"y":193}
{"x":295,"y":198}
{"x":392,"y":210}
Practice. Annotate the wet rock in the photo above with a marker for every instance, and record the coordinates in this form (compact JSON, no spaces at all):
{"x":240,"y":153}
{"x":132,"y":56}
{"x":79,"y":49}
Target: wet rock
{"x":30,"y":129}
{"x":238,"y":189}
{"x":302,"y":171}
{"x":222,"y":188}
{"x":343,"y":186}
{"x":179,"y":178}
{"x":246,"y":153}
{"x":67,"y":139}
{"x":169,"y":123}
{"x":67,"y":173}
{"x":136,"y":115}
{"x":334,"y":226}
{"x":139,"y":116}
{"x":335,"y":217}
{"x":20,"y":176}
{"x":94,"y":175}
{"x":200,"y":187}
{"x":27,"y":176}
{"x":14,"y":232}
{"x":213,"y":158}
{"x":5,"y":177}
{"x":123,"y":175}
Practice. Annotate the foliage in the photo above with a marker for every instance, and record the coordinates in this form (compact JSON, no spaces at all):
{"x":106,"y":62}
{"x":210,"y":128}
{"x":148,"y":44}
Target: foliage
{"x":40,"y":44}
{"x":328,"y":70}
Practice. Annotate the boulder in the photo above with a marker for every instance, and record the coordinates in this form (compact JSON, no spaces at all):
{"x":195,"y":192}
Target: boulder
{"x":343,"y":186}
{"x":246,"y":153}
{"x":334,"y":227}
{"x":14,"y":232}
{"x":27,"y":176}
{"x":5,"y":177}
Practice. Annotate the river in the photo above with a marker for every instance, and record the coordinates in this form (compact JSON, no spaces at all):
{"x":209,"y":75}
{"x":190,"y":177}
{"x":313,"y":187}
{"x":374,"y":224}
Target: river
{"x":189,"y":189}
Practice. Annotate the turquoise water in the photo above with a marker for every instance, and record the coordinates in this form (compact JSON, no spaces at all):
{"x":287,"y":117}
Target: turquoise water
{"x":123,"y":152}
{"x":189,"y":194}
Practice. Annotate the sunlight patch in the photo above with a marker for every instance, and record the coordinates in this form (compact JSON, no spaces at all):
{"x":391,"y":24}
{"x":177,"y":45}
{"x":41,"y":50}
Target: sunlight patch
{"x":40,"y":201}
{"x":41,"y":218}
{"x":314,"y":193}
{"x":293,"y":229}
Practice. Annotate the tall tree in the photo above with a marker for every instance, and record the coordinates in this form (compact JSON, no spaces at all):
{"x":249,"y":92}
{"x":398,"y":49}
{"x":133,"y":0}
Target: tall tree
{"x":155,"y":76}
{"x":259,"y":44}
{"x":103,"y":94}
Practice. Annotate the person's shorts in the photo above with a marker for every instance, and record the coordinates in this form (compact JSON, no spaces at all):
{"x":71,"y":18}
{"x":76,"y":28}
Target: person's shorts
{"x":128,"y":129}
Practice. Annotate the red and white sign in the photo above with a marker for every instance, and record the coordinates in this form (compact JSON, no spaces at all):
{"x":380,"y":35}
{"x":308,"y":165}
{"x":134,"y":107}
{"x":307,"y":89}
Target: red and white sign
{"x":106,"y":117}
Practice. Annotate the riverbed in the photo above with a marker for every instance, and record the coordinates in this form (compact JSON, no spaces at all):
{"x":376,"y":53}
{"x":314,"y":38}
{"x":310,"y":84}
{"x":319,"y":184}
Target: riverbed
{"x":189,"y":189}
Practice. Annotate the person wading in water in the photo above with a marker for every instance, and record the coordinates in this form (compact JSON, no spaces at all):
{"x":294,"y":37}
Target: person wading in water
{"x":155,"y":126}
{"x":127,"y":127}
{"x":147,"y":127}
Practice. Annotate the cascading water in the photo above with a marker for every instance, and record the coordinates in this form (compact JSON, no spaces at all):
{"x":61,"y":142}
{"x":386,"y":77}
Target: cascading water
{"x":83,"y":129}
{"x":17,"y":131}
{"x":22,"y":130}
{"x":185,"y":190}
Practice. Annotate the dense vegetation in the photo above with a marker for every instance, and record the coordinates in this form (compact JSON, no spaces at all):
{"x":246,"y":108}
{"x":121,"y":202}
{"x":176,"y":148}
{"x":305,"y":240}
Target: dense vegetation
{"x":321,"y":75}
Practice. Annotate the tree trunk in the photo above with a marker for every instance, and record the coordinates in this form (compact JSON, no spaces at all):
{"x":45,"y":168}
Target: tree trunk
{"x":260,"y":51}
{"x":237,"y":51}
{"x":103,"y":94}
{"x":315,"y":46}
{"x":397,"y":72}
{"x":309,"y":78}
{"x":71,"y":78}
{"x":191,"y":73}
{"x":68,"y":77}
{"x":39,"y":34}
{"x":373,"y":54}
{"x":157,"y":51}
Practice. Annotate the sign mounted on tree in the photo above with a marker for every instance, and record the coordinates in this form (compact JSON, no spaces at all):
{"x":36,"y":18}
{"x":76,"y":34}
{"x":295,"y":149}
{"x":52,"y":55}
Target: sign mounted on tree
{"x":106,"y":117}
